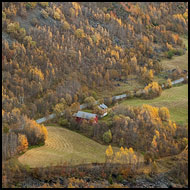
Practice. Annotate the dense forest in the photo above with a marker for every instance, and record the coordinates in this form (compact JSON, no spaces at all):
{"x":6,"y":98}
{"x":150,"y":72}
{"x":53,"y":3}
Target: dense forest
{"x":65,"y":50}
{"x":56,"y":55}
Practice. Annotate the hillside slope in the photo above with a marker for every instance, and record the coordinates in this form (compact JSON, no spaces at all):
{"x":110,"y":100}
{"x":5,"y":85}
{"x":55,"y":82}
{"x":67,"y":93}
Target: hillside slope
{"x":66,"y":50}
{"x":63,"y":145}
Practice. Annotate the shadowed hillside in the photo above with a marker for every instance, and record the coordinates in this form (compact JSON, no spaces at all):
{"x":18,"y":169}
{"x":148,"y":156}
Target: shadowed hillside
{"x":58,"y":57}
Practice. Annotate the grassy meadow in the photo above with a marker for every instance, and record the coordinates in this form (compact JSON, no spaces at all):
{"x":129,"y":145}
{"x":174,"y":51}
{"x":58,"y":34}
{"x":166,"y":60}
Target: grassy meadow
{"x":63,"y":145}
{"x":175,"y":99}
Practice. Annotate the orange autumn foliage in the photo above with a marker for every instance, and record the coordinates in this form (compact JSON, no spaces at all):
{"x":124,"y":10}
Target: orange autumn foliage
{"x":23,"y":143}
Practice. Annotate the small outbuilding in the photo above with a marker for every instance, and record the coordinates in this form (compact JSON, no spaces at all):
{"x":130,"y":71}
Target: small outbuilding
{"x":104,"y":108}
{"x":81,"y":115}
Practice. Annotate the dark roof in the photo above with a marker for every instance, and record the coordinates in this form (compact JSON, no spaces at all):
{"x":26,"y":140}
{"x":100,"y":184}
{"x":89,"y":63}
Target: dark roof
{"x":84,"y":115}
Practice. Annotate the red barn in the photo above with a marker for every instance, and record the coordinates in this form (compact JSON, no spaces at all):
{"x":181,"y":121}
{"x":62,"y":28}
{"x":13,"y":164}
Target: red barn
{"x":80,"y":115}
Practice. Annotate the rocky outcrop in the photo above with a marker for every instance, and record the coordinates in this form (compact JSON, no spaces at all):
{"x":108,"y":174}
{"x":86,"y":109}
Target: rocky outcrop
{"x":157,"y":181}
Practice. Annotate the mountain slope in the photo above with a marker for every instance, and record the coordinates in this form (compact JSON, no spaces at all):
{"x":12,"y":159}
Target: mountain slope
{"x":67,"y":50}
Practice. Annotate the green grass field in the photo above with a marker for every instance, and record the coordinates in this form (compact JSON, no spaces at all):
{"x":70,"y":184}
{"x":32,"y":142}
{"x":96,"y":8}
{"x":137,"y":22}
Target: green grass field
{"x":62,"y":146}
{"x":175,"y":99}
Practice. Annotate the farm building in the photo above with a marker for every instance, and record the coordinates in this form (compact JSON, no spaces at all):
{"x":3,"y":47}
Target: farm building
{"x":119,"y":97}
{"x":80,"y":115}
{"x":104,"y":108}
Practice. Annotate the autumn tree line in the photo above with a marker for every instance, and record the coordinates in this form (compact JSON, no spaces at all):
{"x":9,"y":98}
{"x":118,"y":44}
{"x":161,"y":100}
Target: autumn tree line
{"x":67,"y":50}
{"x":20,"y":133}
{"x":149,"y":129}
{"x":123,"y":156}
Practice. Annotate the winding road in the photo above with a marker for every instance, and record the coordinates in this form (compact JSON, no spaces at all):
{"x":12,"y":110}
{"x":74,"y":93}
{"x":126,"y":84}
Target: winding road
{"x":82,"y":106}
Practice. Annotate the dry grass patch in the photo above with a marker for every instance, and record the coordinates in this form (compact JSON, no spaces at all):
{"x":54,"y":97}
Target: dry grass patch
{"x":117,"y":90}
{"x":177,"y":61}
